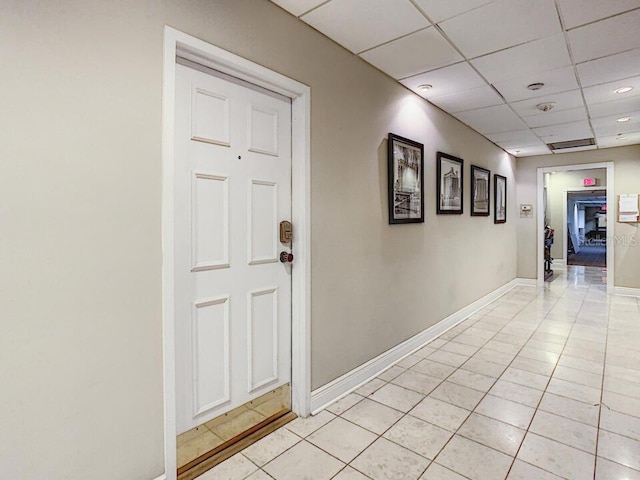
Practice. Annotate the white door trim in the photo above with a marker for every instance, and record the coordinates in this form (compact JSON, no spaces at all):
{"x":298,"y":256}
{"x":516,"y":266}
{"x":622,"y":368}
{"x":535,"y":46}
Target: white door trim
{"x":300,"y":94}
{"x":565,"y":214}
{"x":610,"y":216}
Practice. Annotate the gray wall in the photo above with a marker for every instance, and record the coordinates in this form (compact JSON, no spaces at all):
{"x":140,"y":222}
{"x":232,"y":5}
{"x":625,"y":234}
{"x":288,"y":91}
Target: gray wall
{"x":80,"y":210}
{"x":626,"y":180}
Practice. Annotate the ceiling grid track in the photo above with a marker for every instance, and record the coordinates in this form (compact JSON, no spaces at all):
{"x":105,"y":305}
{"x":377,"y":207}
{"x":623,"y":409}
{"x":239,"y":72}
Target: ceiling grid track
{"x":481,"y":60}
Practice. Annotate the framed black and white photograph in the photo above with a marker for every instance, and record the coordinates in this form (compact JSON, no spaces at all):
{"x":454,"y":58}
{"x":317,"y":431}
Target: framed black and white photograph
{"x":500,"y":199}
{"x":406,"y":179}
{"x":480,"y":188}
{"x":450,"y":184}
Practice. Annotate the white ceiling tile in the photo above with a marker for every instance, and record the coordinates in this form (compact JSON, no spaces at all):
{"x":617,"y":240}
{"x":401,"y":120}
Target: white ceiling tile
{"x":618,"y":140}
{"x":555,"y":118}
{"x":614,"y":130}
{"x":362,"y":24}
{"x":453,"y":78}
{"x":502,"y":24}
{"x":607,"y":126}
{"x":615,"y":107}
{"x":468,"y":99}
{"x":523,"y":137}
{"x":579,"y":12}
{"x":564,"y":101}
{"x":416,"y":53}
{"x":542,"y":55}
{"x":439,"y":10}
{"x":491,"y":119}
{"x":518,"y":145}
{"x":530,"y":151}
{"x":565,"y":132}
{"x":558,"y":80}
{"x":611,"y":119}
{"x":606,"y":91}
{"x":613,"y":35}
{"x":608,"y":69}
{"x":298,"y":7}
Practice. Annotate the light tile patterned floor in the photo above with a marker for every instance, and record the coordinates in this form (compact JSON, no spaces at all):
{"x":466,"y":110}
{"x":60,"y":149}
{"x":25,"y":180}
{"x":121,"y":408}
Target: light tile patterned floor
{"x":538,"y":385}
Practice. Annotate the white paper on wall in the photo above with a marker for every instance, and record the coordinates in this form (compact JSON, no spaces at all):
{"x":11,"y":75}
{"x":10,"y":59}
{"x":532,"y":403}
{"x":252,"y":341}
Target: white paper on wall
{"x":628,"y":210}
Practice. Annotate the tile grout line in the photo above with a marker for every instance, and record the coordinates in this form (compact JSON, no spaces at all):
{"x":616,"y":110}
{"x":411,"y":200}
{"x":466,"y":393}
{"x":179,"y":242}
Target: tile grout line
{"x":487,"y":392}
{"x":528,"y":429}
{"x":431,"y":461}
{"x":536,"y":331}
{"x":604,"y":369}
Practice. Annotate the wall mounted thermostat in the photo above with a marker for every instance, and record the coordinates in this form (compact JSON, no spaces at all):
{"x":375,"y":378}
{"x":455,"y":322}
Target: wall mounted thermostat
{"x":526,"y":210}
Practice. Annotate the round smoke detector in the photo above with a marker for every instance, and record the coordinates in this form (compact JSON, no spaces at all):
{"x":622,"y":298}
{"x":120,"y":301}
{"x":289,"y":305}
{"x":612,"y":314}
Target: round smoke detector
{"x":535,"y":86}
{"x":545,"y":107}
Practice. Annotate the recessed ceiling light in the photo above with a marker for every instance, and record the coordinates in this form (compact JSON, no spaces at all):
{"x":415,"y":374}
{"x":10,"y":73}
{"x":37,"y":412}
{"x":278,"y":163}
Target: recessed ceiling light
{"x":621,"y":137}
{"x":517,"y":151}
{"x":535,"y":86}
{"x":623,"y":119}
{"x":424,"y":87}
{"x":623,"y":89}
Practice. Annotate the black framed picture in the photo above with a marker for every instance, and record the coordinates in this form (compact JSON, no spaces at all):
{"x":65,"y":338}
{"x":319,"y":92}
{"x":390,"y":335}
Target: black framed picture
{"x":480,"y":188}
{"x":450,"y":184}
{"x":406,"y":180}
{"x":499,"y":199}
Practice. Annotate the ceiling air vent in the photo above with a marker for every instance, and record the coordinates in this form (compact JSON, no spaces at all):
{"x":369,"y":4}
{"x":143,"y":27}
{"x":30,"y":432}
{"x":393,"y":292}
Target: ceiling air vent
{"x":584,"y":142}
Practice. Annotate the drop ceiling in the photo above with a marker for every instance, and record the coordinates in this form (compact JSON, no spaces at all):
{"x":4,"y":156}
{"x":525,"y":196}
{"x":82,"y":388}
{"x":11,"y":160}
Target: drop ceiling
{"x":480,"y":56}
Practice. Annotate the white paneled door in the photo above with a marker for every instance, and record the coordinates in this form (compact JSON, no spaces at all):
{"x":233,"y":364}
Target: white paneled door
{"x":232,"y":293}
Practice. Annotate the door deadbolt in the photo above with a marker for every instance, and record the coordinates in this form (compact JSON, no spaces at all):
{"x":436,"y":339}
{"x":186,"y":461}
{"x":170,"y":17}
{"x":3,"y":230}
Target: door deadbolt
{"x":286,"y":232}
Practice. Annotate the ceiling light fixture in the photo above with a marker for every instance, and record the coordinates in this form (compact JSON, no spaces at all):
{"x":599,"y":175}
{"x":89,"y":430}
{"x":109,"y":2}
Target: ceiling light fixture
{"x":545,"y":107}
{"x":517,"y":151}
{"x":623,"y":119}
{"x":621,"y":137}
{"x":623,"y":89}
{"x":535,"y":86}
{"x":424,"y":87}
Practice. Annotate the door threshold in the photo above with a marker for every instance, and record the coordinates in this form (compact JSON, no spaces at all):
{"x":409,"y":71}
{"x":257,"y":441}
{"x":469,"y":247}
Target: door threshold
{"x":208,"y":460}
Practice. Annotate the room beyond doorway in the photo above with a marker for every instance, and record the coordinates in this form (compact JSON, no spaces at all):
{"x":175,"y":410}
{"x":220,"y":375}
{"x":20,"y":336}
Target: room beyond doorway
{"x":586,"y":224}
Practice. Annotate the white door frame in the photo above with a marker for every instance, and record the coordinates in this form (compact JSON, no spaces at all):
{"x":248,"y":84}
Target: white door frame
{"x":565,"y":214}
{"x":610,"y":216}
{"x":206,"y":54}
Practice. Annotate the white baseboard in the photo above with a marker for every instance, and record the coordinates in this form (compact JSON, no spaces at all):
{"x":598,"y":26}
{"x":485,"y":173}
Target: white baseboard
{"x":560,"y":262}
{"x":161,"y":477}
{"x":347,"y":383}
{"x":527,"y":282}
{"x":630,"y":292}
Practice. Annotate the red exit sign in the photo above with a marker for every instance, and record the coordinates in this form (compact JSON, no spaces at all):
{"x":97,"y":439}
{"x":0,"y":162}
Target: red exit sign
{"x":589,"y":182}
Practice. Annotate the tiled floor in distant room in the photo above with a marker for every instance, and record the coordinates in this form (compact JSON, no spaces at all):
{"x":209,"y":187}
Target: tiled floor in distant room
{"x":541,"y":384}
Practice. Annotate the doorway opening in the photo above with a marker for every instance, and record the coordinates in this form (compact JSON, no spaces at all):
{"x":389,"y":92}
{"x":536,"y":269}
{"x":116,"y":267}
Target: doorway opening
{"x":232,"y":295}
{"x":211,"y":310}
{"x":572,"y":220}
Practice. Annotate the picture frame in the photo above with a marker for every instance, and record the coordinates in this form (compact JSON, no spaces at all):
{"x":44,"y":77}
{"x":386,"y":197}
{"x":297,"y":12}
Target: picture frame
{"x":499,"y":199}
{"x":480,"y":191}
{"x":450,"y":184}
{"x":405,"y":180}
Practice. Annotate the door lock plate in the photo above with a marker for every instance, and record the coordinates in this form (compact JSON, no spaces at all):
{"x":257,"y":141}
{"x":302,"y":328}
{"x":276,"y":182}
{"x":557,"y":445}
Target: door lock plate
{"x":286,"y":232}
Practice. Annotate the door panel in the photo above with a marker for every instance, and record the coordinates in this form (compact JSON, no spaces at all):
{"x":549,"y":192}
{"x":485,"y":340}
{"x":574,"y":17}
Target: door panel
{"x":232,"y":295}
{"x":210,"y":225}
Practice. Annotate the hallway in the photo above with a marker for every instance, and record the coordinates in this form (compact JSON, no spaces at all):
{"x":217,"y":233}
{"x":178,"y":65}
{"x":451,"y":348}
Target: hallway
{"x":515,"y":391}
